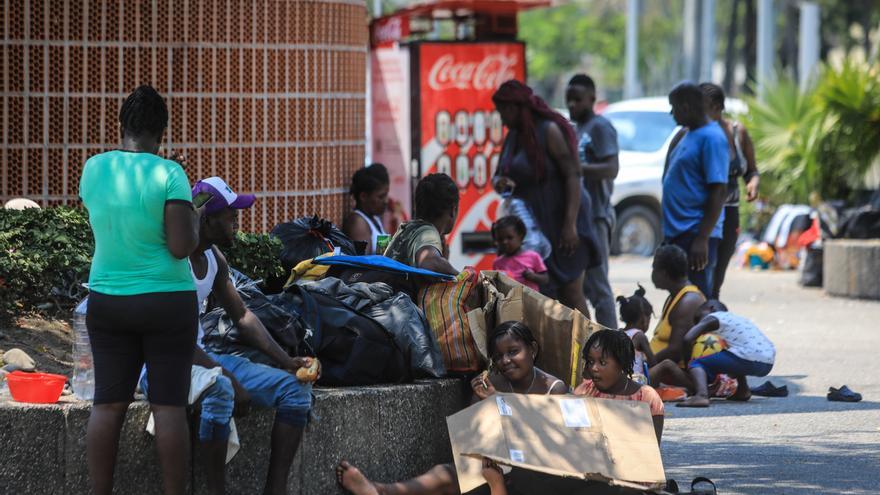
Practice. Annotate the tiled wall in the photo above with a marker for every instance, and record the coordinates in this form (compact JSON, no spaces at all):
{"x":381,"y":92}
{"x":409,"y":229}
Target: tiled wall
{"x":269,"y":95}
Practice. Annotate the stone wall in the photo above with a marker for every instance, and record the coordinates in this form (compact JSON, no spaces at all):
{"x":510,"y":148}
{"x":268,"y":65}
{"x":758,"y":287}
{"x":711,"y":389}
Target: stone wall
{"x":851,"y":268}
{"x":390,"y":432}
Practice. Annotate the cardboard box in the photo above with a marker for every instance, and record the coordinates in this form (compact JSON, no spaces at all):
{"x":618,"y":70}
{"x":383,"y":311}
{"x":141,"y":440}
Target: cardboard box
{"x":561,"y":332}
{"x":612,"y":441}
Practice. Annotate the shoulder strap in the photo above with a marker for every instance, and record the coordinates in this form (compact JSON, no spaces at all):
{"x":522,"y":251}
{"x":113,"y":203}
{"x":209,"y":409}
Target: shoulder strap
{"x":553,"y":385}
{"x":687,"y":289}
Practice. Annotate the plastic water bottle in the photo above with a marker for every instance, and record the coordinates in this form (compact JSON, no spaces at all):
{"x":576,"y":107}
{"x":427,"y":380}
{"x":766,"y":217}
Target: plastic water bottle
{"x":83,"y":382}
{"x":582,"y":147}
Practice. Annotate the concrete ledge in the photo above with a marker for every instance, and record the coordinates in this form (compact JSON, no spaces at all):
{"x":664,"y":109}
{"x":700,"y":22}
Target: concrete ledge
{"x":851,"y":268}
{"x":391,"y":432}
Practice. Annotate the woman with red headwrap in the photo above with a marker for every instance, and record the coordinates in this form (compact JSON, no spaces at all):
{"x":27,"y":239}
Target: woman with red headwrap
{"x":539,"y":165}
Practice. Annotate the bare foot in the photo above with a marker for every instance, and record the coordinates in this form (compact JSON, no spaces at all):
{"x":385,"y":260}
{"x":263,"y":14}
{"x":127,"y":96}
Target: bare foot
{"x":353,"y":480}
{"x":695,"y":401}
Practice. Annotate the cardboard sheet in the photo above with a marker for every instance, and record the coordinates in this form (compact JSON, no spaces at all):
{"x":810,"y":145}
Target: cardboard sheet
{"x":561,"y":332}
{"x":529,"y":431}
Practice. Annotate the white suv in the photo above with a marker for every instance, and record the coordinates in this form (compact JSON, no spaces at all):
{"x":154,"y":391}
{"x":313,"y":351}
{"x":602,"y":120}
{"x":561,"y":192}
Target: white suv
{"x":644,"y":129}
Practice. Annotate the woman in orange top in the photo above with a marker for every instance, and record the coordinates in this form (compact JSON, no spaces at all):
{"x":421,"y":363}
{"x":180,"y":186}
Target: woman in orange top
{"x":610,"y":355}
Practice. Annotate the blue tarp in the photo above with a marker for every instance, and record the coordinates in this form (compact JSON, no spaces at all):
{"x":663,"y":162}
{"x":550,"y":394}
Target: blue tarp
{"x":380,"y":263}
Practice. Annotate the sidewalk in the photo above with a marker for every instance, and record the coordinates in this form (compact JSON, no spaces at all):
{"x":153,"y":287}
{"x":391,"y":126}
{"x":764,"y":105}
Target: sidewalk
{"x":799,"y":444}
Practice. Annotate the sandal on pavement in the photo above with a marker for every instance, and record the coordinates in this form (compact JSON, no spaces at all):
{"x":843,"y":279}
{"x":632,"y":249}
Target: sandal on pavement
{"x":843,"y":394}
{"x":770,"y":390}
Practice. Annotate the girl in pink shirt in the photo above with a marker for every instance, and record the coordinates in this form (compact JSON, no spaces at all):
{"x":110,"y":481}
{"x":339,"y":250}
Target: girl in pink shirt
{"x":523,"y":265}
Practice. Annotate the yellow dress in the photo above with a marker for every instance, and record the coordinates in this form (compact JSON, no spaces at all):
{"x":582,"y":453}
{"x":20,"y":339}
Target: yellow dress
{"x":663,"y":330}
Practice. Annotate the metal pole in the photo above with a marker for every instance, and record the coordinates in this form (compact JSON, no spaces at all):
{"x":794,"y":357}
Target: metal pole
{"x":631,"y":77}
{"x":707,"y":40}
{"x":808,"y":42}
{"x":765,"y":45}
{"x":377,"y":8}
{"x":690,"y":39}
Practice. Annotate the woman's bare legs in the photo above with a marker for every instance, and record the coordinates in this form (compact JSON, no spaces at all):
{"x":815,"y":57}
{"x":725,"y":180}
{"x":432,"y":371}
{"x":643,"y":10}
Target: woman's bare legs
{"x":439,"y":480}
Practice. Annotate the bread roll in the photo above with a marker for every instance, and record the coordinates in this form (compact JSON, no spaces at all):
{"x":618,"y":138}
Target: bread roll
{"x":309,"y":374}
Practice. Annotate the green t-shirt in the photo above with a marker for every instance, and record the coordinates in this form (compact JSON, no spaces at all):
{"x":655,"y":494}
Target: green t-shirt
{"x":410,"y":238}
{"x":125,"y":194}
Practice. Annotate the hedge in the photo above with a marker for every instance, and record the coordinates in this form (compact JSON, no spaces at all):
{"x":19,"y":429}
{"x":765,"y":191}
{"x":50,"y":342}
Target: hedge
{"x":45,"y":256}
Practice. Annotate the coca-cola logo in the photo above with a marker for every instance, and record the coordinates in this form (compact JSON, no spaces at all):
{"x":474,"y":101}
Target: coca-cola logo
{"x":487,"y":74}
{"x":388,"y":30}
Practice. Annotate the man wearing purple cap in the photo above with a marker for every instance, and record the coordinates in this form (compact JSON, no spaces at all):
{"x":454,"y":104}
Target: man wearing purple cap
{"x":242,"y":382}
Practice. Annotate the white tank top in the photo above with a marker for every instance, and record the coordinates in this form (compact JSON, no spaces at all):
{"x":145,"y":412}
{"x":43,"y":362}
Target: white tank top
{"x":641,"y":358}
{"x":204,"y":286}
{"x":376,"y":228}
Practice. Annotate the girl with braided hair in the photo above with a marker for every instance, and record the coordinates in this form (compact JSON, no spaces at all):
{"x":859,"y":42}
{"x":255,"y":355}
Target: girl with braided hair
{"x":609,"y":356}
{"x":539,"y":165}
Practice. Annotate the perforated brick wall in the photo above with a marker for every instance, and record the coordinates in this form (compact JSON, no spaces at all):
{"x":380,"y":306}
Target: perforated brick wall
{"x":269,"y":95}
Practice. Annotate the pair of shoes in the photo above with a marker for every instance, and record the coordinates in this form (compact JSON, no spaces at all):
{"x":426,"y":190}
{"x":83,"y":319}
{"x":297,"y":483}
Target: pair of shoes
{"x":843,"y":394}
{"x":770,"y":390}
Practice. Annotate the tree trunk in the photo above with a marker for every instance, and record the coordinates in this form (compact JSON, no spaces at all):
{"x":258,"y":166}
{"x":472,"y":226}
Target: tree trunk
{"x":749,"y":53}
{"x":730,"y":51}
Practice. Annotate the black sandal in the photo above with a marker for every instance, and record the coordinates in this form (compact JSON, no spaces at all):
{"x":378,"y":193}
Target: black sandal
{"x":843,"y":394}
{"x":770,"y":390}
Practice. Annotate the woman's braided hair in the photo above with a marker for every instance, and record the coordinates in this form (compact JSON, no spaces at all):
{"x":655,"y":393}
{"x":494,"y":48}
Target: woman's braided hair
{"x":144,"y":112}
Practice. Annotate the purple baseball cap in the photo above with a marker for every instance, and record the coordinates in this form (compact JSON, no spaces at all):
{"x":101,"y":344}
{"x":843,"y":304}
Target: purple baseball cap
{"x":224,"y":196}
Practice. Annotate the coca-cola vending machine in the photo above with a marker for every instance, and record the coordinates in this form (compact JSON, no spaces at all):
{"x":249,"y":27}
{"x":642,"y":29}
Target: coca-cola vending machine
{"x":432,"y":111}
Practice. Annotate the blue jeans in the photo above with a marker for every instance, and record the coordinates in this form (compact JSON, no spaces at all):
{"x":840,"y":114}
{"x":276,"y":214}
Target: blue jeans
{"x":271,"y":388}
{"x":217,"y":403}
{"x":703,"y":279}
{"x":730,"y":364}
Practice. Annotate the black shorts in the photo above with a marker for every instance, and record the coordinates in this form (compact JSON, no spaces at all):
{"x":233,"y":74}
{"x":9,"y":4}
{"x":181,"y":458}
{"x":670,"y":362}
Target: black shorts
{"x":157,"y":329}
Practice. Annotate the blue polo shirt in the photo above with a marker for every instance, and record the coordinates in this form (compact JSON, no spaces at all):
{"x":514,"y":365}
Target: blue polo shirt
{"x":701,"y":158}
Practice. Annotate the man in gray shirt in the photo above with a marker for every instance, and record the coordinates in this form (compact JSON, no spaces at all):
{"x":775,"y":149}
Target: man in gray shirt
{"x":597,"y":148}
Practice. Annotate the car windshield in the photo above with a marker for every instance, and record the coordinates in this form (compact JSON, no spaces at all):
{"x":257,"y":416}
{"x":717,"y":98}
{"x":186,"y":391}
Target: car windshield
{"x":641,"y":131}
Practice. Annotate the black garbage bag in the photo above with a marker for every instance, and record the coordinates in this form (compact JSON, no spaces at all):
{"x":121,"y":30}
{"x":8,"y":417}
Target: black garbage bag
{"x":306,"y":238}
{"x":353,"y":347}
{"x":222,"y":336}
{"x":811,"y":276}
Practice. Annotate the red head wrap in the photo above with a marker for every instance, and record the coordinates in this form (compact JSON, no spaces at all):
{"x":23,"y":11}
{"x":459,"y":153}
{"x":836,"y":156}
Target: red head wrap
{"x":531,"y":107}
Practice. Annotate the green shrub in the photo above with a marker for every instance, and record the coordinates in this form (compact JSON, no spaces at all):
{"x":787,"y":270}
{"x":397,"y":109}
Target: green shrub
{"x":256,"y":255}
{"x":823,"y":140}
{"x":45,"y":256}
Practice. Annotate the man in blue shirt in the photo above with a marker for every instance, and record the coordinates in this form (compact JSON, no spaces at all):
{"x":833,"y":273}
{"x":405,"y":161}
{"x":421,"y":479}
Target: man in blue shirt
{"x":695,"y":184}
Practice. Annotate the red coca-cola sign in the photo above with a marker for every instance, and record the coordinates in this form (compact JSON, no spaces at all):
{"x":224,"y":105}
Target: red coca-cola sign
{"x":389,"y":29}
{"x":461,"y":133}
{"x":468,"y":74}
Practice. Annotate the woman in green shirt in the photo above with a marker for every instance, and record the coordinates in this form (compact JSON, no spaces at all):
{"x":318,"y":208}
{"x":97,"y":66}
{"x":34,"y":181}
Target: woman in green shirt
{"x":142,"y":304}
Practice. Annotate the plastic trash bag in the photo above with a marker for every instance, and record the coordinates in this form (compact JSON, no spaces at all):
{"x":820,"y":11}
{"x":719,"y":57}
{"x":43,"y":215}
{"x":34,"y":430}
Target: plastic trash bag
{"x":535,"y":239}
{"x":310,"y":237}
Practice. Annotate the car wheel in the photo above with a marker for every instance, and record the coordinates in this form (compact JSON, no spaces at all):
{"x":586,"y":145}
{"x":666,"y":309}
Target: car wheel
{"x":637,"y":231}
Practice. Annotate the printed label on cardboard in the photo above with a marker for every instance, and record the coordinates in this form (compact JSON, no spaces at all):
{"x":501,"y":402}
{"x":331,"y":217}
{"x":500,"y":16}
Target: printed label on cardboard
{"x":517,"y":456}
{"x":574,"y":413}
{"x":503,"y":408}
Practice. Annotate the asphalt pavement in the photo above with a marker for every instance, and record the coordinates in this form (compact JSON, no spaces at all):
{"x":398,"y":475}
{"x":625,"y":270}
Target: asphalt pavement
{"x":795,"y":445}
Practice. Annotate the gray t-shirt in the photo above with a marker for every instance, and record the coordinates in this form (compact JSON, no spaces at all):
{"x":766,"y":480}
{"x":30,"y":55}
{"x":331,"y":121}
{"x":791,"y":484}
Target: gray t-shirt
{"x":602,"y":144}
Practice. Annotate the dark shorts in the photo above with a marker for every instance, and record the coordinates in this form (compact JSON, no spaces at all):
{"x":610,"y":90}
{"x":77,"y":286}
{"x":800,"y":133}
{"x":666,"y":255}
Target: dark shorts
{"x":157,"y":329}
{"x":730,"y":364}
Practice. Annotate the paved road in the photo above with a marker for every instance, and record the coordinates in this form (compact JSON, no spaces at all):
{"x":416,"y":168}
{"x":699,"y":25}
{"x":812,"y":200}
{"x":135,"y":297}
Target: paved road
{"x":799,"y":444}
